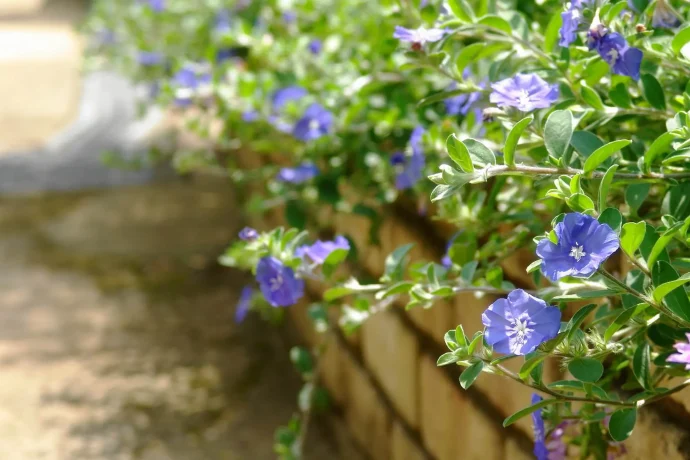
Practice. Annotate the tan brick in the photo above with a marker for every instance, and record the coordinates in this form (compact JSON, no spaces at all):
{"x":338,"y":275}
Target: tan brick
{"x":434,"y":321}
{"x":514,"y":451}
{"x":390,"y":351}
{"x":452,"y":426}
{"x":367,"y":417}
{"x":469,"y":309}
{"x":335,"y":366}
{"x":653,"y":438}
{"x":404,"y":448}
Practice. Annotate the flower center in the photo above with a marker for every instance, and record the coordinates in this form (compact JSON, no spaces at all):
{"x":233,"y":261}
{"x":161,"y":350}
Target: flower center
{"x":577,"y":252}
{"x":613,"y":54}
{"x":276,"y":283}
{"x":523,"y":98}
{"x":314,"y":125}
{"x":521,"y":331}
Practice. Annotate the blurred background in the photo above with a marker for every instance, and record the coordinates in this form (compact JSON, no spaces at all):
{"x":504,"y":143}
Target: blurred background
{"x":117,"y":338}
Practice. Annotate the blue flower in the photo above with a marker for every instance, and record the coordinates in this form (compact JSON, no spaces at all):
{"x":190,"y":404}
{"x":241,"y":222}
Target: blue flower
{"x":525,"y":92}
{"x":299,"y":174}
{"x":149,"y":58}
{"x":614,"y":49}
{"x":571,"y":20}
{"x":462,"y":103}
{"x":541,"y":452}
{"x":664,"y":17}
{"x":244,"y":304}
{"x":225,"y":54}
{"x":278,"y":283}
{"x":248,"y":234}
{"x":583,"y":245}
{"x":157,"y":5}
{"x":188,"y":81}
{"x":315,"y":46}
{"x":445,"y":261}
{"x":289,"y":17}
{"x":520,"y":323}
{"x":250,"y":116}
{"x":222,"y":24}
{"x":287,"y":94}
{"x":419,"y":36}
{"x":315,"y":122}
{"x":410,"y":169}
{"x":280,"y":124}
{"x":319,"y":251}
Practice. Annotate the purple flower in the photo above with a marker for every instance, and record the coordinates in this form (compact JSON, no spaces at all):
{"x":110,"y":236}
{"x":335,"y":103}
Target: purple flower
{"x":462,"y":103}
{"x":319,"y":251}
{"x":410,"y":169}
{"x":225,"y":54}
{"x":287,"y":94}
{"x":540,"y":450}
{"x":614,"y":49}
{"x":289,"y":17}
{"x":187,"y":81}
{"x":445,"y":261}
{"x":222,"y":24}
{"x":315,"y":46}
{"x":420,"y":35}
{"x":157,"y":5}
{"x":248,"y":234}
{"x":525,"y":92}
{"x":583,"y":245}
{"x":683,"y":355}
{"x":149,"y":58}
{"x":244,"y":304}
{"x":278,"y":283}
{"x":280,"y":124}
{"x":315,"y":122}
{"x":664,"y":17}
{"x":299,"y":174}
{"x":520,"y":323}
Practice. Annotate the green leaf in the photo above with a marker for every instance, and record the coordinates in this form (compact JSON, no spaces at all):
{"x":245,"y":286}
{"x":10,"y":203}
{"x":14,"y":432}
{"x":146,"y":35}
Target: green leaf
{"x":578,"y":318}
{"x":534,"y":266}
{"x":557,"y":133}
{"x":394,"y":263}
{"x":652,"y":91}
{"x":459,"y":154}
{"x":574,"y":385}
{"x":462,"y":10}
{"x":513,"y":139}
{"x":602,"y":154}
{"x":447,"y":358}
{"x":680,"y":39}
{"x":497,"y":23}
{"x":635,"y":195}
{"x":449,"y":339}
{"x":661,"y":144}
{"x":460,"y":336}
{"x":398,"y":288}
{"x":468,"y":270}
{"x":528,"y":410}
{"x":663,"y":290}
{"x":586,"y":369}
{"x":676,"y":300}
{"x":481,"y":155}
{"x":441,"y":192}
{"x":622,"y":319}
{"x":336,"y":293}
{"x":530,"y":364}
{"x":585,"y":143}
{"x":552,"y":33}
{"x":333,"y":260}
{"x":641,"y":366}
{"x":632,"y":236}
{"x":622,"y":423}
{"x":619,"y":95}
{"x":302,"y":360}
{"x":650,"y":239}
{"x":662,"y":242}
{"x":591,"y":97}
{"x":475,"y":341}
{"x":295,"y":215}
{"x":468,"y":54}
{"x":583,"y":295}
{"x":470,"y":374}
{"x":605,"y":185}
{"x":612,"y":217}
{"x":580,"y":202}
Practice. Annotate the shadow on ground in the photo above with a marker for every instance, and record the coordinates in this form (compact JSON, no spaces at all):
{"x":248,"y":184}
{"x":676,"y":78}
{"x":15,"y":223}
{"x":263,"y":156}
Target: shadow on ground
{"x":117,"y":338}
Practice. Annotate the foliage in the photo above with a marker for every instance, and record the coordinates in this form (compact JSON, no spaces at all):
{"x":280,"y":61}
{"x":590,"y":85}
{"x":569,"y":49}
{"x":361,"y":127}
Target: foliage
{"x":557,"y":129}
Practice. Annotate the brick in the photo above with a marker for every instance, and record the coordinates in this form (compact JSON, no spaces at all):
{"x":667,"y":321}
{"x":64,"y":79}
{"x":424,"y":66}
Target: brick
{"x":368,"y":419}
{"x":514,"y":451}
{"x":404,"y":448}
{"x":469,"y":309}
{"x":434,"y":321}
{"x":654,"y":438}
{"x":390,"y":351}
{"x":335,"y":366}
{"x":452,"y":426}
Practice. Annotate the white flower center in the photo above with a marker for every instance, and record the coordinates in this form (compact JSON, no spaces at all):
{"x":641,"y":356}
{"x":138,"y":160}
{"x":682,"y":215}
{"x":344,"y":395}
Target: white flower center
{"x":577,"y":251}
{"x":313,"y":125}
{"x":575,"y":14}
{"x":523,"y":98}
{"x":614,"y":56}
{"x":276,"y":283}
{"x":521,"y":331}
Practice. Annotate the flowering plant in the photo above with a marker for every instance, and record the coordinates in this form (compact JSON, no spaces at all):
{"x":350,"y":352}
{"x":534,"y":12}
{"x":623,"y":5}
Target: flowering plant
{"x":555,"y":130}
